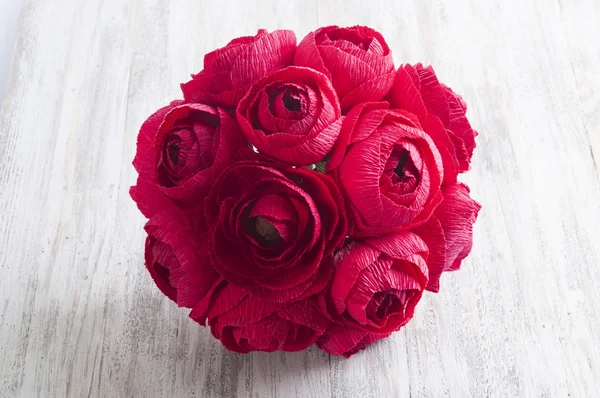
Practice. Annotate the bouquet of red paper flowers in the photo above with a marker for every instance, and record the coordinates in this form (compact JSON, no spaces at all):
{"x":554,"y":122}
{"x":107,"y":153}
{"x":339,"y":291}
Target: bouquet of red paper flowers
{"x":305,"y":193}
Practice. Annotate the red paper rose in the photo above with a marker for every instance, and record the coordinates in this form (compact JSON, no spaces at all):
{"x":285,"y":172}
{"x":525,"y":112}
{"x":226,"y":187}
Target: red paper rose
{"x":177,"y":260}
{"x":441,"y":112}
{"x":378,"y":282}
{"x":292,"y":115}
{"x":357,"y":60}
{"x":388,"y":168}
{"x":244,"y":323}
{"x":181,"y":148}
{"x":227,"y":73}
{"x":449,"y":232}
{"x":273,"y":228}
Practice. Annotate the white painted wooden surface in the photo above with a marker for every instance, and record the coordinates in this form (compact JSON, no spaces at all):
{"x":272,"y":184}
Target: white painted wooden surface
{"x":9,"y":17}
{"x":80,"y":315}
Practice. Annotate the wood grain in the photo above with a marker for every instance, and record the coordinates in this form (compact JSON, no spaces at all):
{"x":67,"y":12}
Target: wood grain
{"x":80,"y":315}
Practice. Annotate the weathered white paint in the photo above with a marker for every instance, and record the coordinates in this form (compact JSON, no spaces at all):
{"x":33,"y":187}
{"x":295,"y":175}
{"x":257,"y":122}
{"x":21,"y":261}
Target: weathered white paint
{"x":9,"y":16}
{"x":80,"y":315}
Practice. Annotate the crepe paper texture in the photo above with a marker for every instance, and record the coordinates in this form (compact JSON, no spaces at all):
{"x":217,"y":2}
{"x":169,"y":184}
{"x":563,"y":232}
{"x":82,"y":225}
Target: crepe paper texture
{"x":305,"y":193}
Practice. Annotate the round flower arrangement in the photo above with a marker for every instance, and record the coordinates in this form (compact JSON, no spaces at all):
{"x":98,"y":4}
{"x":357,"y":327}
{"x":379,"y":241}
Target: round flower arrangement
{"x":305,"y":193}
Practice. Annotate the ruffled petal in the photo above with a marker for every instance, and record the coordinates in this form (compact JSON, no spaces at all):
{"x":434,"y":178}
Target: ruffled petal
{"x":351,"y":261}
{"x":359,"y":175}
{"x":226,"y":77}
{"x":457,"y":214}
{"x":349,"y":132}
{"x":308,"y":55}
{"x":374,"y":89}
{"x":433,"y":234}
{"x":347,"y":341}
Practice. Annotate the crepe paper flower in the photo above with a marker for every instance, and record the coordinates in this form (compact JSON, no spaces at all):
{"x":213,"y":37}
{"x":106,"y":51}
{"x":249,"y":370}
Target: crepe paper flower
{"x":273,"y":229}
{"x":377,"y":283}
{"x":389,"y":170}
{"x":292,"y":115}
{"x":182,"y":148}
{"x":357,"y":60}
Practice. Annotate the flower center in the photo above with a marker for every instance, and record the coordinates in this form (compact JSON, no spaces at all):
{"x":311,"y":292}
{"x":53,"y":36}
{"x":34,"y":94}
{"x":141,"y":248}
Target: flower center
{"x":174,"y":153}
{"x":287,"y":104}
{"x":399,"y":169}
{"x":401,"y":174}
{"x":389,"y":305}
{"x":384,"y":304}
{"x":186,"y":149}
{"x":359,"y":40}
{"x":266,"y":232}
{"x":291,"y":101}
{"x":176,"y":164}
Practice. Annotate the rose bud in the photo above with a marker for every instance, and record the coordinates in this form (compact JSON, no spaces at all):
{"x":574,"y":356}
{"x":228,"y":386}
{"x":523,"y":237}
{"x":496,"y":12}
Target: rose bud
{"x":449,"y":232}
{"x":376,"y":286}
{"x":180,"y":150}
{"x":357,"y":60}
{"x":177,"y":260}
{"x":292,"y":115}
{"x":244,"y":323}
{"x":441,"y":112}
{"x":378,"y":281}
{"x":227,"y":75}
{"x":390,"y":171}
{"x":273,"y":229}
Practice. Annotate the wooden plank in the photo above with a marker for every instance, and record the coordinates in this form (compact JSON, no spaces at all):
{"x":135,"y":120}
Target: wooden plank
{"x":80,"y":315}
